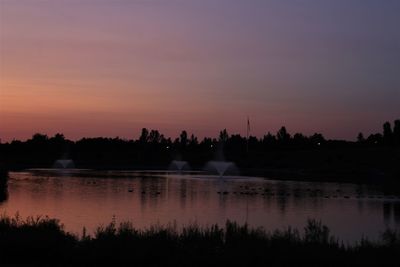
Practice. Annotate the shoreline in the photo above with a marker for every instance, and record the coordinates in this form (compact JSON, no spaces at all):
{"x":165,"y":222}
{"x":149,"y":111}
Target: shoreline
{"x":364,"y":176}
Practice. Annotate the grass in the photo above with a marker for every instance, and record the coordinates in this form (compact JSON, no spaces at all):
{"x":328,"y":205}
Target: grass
{"x":43,"y":240}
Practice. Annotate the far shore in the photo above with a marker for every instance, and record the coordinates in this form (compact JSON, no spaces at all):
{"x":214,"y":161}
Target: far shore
{"x":356,"y":175}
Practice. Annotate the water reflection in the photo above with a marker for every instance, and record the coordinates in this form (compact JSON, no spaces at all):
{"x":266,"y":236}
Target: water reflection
{"x":89,"y":199}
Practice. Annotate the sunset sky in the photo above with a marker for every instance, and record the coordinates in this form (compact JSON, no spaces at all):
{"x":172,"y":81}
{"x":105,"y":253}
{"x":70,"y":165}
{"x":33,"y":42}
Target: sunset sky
{"x":110,"y":67}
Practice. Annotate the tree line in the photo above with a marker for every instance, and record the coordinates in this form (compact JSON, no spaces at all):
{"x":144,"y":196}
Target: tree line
{"x":152,"y":150}
{"x":389,"y":136}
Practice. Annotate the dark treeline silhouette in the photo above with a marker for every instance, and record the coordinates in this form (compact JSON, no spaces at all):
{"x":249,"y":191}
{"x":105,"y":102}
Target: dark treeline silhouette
{"x":43,"y":241}
{"x":278,"y":155}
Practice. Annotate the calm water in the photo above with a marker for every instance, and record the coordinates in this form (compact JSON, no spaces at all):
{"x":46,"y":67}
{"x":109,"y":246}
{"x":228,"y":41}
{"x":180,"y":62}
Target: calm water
{"x":89,"y":198}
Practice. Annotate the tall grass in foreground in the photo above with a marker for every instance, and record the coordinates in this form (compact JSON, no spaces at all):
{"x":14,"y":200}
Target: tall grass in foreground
{"x":43,"y":240}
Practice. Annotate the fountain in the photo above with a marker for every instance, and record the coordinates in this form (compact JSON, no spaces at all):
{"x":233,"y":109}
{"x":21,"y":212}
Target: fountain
{"x":179,"y":165}
{"x":64,"y":164}
{"x":221,"y":167}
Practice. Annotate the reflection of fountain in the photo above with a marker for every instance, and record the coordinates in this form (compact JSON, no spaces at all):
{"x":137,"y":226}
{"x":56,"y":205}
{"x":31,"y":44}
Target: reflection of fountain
{"x":64,"y":164}
{"x":222,"y":167}
{"x":179,"y":165}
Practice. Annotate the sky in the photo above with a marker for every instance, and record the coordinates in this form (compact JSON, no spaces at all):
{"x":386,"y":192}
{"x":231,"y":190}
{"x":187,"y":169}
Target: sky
{"x":90,"y":68}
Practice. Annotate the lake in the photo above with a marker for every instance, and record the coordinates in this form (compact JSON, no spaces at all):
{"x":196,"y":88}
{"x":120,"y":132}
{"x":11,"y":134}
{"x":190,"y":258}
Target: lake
{"x":85,"y":198}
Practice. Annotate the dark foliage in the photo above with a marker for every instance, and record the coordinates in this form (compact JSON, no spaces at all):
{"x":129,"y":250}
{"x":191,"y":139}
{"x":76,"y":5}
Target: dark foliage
{"x":371,"y":159}
{"x":43,"y":240}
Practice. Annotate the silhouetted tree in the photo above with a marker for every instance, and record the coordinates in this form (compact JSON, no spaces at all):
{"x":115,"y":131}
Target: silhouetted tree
{"x":183,"y":138}
{"x":253,"y":142}
{"x":396,"y":132}
{"x":282,"y":135}
{"x":317,"y":139}
{"x":154,"y":137}
{"x":360,"y":138}
{"x":207,"y":142}
{"x":387,"y":133}
{"x":298,"y":136}
{"x":269,"y":139}
{"x":144,"y":136}
{"x":299,"y":140}
{"x":375,"y":139}
{"x":166,"y":142}
{"x":59,"y":137}
{"x":193,"y":140}
{"x":236,"y":142}
{"x":223,"y":136}
{"x":39,"y":138}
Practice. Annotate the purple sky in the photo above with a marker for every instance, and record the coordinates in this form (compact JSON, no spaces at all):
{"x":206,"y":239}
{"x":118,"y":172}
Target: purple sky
{"x":109,"y":68}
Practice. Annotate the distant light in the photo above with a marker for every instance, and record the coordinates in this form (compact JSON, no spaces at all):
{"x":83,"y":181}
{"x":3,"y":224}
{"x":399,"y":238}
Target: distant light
{"x":319,"y":144}
{"x":167,"y":147}
{"x":211,"y":146}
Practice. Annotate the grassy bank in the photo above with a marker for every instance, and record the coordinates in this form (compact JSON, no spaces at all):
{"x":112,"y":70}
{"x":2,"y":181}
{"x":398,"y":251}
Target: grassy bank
{"x":43,"y":240}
